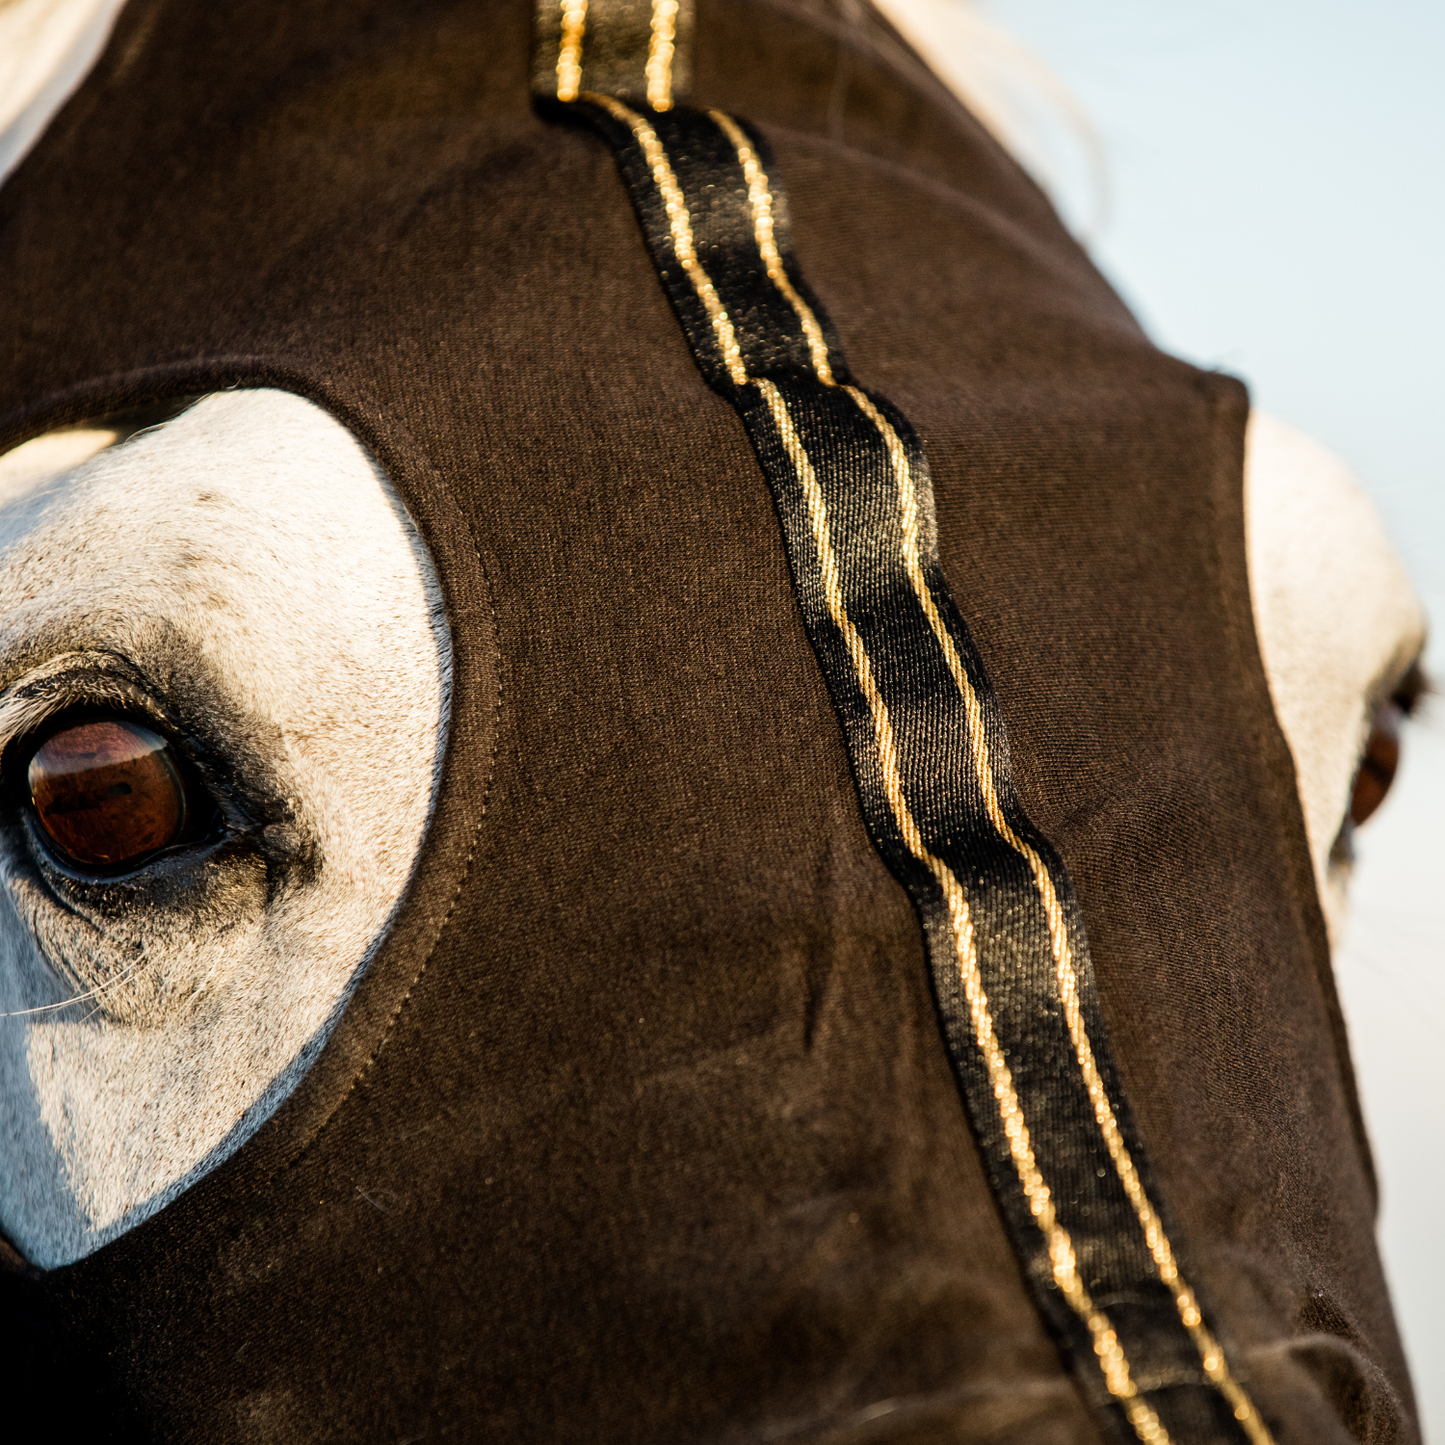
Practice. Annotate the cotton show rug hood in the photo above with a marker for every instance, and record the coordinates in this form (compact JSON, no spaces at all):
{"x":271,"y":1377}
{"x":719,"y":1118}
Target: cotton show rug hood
{"x":642,"y":1124}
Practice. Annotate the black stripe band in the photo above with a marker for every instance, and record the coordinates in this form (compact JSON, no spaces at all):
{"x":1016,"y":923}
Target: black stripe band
{"x":1005,"y":940}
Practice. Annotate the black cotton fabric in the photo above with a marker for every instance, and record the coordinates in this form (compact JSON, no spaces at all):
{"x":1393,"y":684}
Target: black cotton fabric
{"x":648,"y":1076}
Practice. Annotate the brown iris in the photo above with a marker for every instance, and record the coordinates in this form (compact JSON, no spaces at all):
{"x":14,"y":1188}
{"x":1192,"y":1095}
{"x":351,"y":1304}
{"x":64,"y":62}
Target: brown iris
{"x":1378,"y":766}
{"x":1382,"y":747}
{"x":107,"y":792}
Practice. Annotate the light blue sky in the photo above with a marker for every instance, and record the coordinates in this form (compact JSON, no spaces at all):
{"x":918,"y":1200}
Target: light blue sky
{"x":1277,"y":208}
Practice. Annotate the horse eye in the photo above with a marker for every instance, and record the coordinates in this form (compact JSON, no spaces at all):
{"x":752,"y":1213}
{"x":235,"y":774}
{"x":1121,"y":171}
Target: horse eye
{"x":107,"y":792}
{"x":1382,"y":747}
{"x":1377,"y":767}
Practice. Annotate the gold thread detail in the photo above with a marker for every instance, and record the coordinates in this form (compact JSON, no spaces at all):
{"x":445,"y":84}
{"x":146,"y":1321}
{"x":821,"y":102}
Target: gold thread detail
{"x":1210,"y":1354}
{"x":661,"y":47}
{"x":675,"y":205}
{"x":1113,"y":1362}
{"x":569,"y":51}
{"x":760,"y":199}
{"x":1064,"y":1266}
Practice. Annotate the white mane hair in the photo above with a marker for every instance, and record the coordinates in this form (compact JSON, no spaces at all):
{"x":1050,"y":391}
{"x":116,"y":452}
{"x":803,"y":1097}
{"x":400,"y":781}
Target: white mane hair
{"x":247,"y":571}
{"x":1025,"y":106}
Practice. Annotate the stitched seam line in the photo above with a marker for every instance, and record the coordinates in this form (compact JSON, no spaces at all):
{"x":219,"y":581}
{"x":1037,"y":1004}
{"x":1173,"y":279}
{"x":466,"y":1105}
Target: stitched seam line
{"x":390,"y":1025}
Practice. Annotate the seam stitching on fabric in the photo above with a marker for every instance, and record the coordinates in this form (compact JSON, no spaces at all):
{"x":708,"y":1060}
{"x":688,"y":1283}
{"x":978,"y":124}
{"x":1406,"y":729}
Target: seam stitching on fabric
{"x":396,"y":1012}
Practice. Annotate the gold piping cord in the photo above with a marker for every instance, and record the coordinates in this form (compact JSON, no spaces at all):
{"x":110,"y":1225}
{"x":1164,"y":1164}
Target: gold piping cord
{"x":675,"y":205}
{"x":760,"y":199}
{"x":569,"y":50}
{"x":661,"y":47}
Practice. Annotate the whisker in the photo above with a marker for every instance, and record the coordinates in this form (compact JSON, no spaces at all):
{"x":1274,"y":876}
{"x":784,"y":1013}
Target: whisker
{"x":83,"y":997}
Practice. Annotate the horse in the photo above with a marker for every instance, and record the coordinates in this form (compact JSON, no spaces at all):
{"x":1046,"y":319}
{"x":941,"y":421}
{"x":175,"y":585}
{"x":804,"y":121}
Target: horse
{"x":233,"y":675}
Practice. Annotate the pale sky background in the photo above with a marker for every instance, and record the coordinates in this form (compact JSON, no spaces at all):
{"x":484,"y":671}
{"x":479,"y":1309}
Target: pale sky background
{"x":1277,"y":209}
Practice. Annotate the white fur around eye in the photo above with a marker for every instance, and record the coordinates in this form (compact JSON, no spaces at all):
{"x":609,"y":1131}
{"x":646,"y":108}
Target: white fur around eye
{"x":48,"y":456}
{"x":1338,"y":622}
{"x":248,"y":564}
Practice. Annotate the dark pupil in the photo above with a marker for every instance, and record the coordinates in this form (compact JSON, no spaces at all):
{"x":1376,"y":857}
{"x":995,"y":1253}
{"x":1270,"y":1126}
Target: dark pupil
{"x":107,"y":792}
{"x":1378,"y":766}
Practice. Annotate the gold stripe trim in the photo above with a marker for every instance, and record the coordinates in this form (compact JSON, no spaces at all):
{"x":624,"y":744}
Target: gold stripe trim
{"x":760,"y":199}
{"x":1112,"y":1360}
{"x":661,"y":47}
{"x":569,"y":51}
{"x":681,"y":227}
{"x":1210,"y":1354}
{"x":1111,"y":1357}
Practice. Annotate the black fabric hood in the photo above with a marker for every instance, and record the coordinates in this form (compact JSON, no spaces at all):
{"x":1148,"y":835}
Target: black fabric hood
{"x":648,"y":1073}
